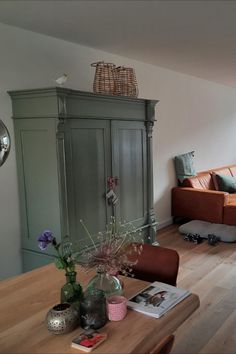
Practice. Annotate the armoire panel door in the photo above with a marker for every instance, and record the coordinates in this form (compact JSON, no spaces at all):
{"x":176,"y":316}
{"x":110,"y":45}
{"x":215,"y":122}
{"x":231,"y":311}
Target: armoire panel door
{"x":129,"y":164}
{"x":38,"y":179}
{"x":88,"y":161}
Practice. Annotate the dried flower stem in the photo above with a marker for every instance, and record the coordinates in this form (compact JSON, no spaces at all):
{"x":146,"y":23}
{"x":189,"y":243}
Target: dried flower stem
{"x":88,"y":233}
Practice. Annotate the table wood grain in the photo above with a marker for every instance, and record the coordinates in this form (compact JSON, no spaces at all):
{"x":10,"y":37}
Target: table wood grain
{"x":26,"y":299}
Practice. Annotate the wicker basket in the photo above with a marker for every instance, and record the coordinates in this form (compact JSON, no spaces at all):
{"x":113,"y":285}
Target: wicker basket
{"x":126,"y":82}
{"x":105,"y":78}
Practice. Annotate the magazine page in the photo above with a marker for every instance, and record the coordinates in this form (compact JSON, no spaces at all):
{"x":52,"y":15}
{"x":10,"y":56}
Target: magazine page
{"x":157,"y":298}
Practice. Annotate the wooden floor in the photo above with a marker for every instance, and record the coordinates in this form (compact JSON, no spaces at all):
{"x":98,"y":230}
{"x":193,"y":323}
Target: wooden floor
{"x":210,"y":272}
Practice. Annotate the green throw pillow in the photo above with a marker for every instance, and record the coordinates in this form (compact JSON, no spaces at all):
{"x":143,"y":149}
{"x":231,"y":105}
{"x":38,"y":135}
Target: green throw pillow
{"x":184,"y":167}
{"x":226,"y":183}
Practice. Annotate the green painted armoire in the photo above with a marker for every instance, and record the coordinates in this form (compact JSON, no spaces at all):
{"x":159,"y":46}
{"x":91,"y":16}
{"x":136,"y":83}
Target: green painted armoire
{"x":72,"y":147}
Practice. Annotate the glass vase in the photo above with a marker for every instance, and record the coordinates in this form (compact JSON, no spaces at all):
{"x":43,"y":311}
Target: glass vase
{"x":109,"y":284}
{"x":72,"y":291}
{"x":93,"y":309}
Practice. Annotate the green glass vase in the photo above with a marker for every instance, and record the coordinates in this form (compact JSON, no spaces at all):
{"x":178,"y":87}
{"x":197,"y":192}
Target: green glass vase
{"x":109,"y":284}
{"x":72,"y":291}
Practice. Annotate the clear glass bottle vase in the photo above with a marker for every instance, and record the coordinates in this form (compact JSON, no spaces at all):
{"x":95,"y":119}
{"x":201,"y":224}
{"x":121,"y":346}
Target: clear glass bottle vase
{"x":109,"y":284}
{"x":72,"y":291}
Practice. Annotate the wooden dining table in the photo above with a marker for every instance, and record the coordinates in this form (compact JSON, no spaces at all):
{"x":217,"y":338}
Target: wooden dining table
{"x":26,"y":299}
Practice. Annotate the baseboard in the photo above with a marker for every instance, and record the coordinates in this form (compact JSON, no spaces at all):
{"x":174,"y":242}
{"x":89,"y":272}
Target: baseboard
{"x":164,"y":223}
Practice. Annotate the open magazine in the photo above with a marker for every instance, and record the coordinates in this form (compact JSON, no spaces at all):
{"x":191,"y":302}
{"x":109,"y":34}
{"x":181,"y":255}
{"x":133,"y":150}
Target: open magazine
{"x":156,"y":299}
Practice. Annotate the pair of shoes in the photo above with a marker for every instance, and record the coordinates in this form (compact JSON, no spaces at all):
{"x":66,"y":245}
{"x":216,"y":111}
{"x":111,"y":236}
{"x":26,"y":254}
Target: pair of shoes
{"x":193,"y":238}
{"x":213,"y":239}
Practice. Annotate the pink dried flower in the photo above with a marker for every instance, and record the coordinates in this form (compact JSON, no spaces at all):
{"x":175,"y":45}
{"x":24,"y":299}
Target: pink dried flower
{"x":116,"y":250}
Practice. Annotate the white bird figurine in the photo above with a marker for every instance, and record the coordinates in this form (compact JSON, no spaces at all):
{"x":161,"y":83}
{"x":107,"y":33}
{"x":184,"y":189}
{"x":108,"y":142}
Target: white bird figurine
{"x":62,"y":79}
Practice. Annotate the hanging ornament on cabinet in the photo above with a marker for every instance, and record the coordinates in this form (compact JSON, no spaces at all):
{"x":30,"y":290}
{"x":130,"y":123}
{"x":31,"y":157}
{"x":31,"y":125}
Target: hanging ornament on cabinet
{"x":111,"y":196}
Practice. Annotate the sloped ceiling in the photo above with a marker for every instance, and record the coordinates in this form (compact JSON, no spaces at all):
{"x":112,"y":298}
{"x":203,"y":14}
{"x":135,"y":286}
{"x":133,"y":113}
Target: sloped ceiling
{"x":193,"y":37}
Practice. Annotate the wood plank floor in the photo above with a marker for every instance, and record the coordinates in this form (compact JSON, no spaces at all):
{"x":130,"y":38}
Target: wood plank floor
{"x":210,"y":272}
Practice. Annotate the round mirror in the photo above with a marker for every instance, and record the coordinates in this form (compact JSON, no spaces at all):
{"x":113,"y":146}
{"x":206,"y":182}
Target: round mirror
{"x":5,"y":143}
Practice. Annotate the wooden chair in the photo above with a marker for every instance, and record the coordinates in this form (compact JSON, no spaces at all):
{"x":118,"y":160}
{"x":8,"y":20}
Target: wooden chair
{"x":157,"y":263}
{"x":163,"y":347}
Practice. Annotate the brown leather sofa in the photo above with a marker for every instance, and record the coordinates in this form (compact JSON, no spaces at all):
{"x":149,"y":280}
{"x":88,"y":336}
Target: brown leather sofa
{"x":199,"y":198}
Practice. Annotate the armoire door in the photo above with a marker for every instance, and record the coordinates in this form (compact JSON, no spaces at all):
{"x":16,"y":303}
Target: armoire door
{"x":38,"y":180}
{"x":88,"y":165}
{"x":129,"y":164}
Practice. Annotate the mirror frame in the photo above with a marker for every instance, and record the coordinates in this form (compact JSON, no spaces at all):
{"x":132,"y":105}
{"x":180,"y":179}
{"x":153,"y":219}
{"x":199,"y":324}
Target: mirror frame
{"x":5,"y":143}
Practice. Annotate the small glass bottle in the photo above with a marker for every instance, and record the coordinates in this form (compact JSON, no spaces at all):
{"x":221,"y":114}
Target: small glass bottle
{"x":93,"y":311}
{"x":72,"y":291}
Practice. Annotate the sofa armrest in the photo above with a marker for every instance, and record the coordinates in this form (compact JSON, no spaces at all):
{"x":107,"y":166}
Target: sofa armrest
{"x":199,"y":204}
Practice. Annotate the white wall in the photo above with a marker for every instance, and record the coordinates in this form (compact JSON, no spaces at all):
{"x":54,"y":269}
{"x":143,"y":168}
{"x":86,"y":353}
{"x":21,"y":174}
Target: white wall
{"x":193,"y":114}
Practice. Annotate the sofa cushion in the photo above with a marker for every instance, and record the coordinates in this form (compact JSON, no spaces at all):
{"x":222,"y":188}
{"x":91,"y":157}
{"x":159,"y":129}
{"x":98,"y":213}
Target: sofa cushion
{"x":201,"y":181}
{"x":233,"y":171}
{"x":223,"y":171}
{"x":226,"y":183}
{"x":184,"y":166}
{"x":232,"y":200}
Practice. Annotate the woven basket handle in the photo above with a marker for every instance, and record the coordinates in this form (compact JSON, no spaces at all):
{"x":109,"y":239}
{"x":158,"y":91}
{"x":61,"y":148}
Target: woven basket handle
{"x":103,"y":63}
{"x":97,"y":63}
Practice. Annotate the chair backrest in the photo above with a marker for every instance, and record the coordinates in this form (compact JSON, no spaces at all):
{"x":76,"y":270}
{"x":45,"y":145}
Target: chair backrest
{"x":157,"y":263}
{"x":163,"y":347}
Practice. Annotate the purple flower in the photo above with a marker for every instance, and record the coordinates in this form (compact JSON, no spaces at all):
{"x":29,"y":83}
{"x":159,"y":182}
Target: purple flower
{"x":45,"y":239}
